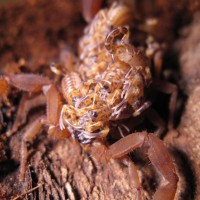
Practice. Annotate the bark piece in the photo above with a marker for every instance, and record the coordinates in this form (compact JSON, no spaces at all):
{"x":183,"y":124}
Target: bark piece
{"x":68,"y":172}
{"x":189,"y":48}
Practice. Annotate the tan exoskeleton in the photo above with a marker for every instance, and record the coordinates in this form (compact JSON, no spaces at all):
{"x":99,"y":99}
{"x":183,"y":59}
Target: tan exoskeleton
{"x":92,"y":98}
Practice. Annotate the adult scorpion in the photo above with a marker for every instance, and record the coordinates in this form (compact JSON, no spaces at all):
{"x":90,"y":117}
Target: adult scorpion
{"x":108,"y":84}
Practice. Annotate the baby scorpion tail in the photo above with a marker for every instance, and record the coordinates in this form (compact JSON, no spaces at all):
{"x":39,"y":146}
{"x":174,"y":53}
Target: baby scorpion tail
{"x":121,"y":31}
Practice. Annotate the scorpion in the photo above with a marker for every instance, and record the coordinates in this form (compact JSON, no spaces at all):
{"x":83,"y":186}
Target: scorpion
{"x":91,"y":99}
{"x":120,"y":85}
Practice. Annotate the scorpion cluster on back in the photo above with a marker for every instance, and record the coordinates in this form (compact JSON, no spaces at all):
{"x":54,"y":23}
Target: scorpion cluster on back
{"x":92,"y":104}
{"x":107,"y":84}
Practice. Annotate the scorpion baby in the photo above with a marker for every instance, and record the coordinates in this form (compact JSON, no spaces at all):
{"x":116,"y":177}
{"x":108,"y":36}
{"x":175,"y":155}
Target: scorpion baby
{"x":106,"y":98}
{"x":107,"y":85}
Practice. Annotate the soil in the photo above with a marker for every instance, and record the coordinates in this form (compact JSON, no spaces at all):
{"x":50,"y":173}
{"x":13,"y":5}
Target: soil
{"x":33,"y":34}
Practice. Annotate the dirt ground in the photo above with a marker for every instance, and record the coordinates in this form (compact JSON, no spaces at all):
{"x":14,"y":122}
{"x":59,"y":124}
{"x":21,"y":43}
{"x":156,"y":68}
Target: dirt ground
{"x":33,"y":34}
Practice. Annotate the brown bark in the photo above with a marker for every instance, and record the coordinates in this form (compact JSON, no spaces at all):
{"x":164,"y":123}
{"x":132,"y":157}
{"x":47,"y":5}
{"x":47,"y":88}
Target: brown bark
{"x":187,"y":141}
{"x":68,"y":172}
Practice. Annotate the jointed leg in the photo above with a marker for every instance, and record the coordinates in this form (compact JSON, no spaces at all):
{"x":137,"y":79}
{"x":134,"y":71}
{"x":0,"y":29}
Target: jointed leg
{"x":144,"y":106}
{"x":158,"y":155}
{"x":35,"y":83}
{"x":98,"y":150}
{"x":168,"y":88}
{"x":155,"y":51}
{"x":156,"y":120}
{"x":32,"y":131}
{"x":52,"y":119}
{"x":26,"y":104}
{"x":162,"y":161}
{"x":54,"y":106}
{"x":134,"y":178}
{"x":26,"y":82}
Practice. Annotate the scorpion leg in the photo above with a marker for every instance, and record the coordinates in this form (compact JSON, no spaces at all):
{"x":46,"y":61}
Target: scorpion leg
{"x":53,"y":100}
{"x":26,"y":104}
{"x":36,"y":83}
{"x":30,"y":83}
{"x":157,"y":121}
{"x":158,"y":155}
{"x":134,"y":178}
{"x":27,"y":82}
{"x":155,"y":51}
{"x":54,"y":106}
{"x":141,"y":109}
{"x":90,"y":8}
{"x":158,"y":62}
{"x":29,"y":135}
{"x":99,"y":151}
{"x":168,"y":88}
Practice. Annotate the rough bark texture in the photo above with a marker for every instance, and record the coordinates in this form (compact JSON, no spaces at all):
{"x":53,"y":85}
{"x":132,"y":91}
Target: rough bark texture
{"x":32,"y":35}
{"x":188,"y":49}
{"x":68,"y":172}
{"x":187,"y":142}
